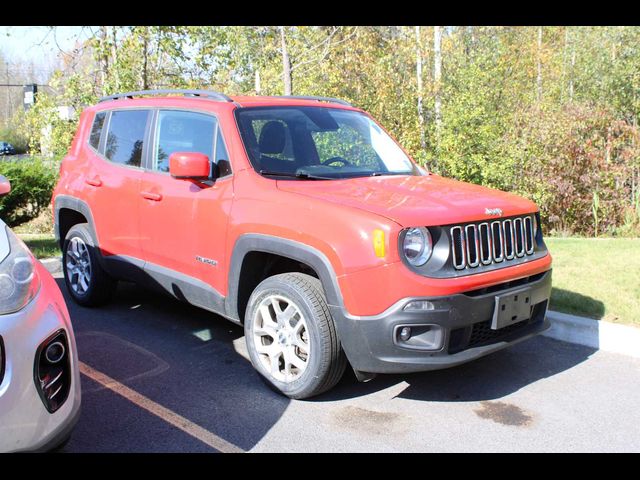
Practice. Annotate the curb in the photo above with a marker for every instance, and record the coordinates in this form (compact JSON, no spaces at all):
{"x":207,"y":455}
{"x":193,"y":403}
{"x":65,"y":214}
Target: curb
{"x":53,"y":264}
{"x":598,"y":334}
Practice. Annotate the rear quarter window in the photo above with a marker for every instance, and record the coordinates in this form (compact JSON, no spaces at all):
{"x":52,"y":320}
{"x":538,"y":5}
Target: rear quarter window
{"x":96,"y":129}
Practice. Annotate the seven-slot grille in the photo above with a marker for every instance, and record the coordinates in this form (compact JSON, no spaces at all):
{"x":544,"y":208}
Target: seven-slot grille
{"x":492,"y":242}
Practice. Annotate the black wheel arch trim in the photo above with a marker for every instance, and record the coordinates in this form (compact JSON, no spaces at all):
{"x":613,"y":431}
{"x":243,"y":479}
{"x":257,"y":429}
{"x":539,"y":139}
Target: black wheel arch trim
{"x":80,"y":206}
{"x":73,"y":203}
{"x":255,"y":242}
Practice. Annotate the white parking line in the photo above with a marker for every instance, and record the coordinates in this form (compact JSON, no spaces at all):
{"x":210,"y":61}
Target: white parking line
{"x":178,"y":421}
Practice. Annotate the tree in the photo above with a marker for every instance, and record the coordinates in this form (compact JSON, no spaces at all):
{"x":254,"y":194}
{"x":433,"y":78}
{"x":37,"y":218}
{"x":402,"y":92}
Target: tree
{"x":437,"y":76}
{"x":286,"y":64}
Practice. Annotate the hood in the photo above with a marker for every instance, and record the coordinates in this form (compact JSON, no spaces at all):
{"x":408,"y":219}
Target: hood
{"x":414,"y":200}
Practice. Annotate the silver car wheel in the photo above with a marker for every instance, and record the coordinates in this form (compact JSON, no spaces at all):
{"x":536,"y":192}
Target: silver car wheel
{"x":281,"y":338}
{"x":78,"y":264}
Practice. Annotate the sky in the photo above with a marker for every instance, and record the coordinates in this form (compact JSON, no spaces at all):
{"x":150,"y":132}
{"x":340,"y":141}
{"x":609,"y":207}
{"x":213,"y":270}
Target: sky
{"x":39,"y":44}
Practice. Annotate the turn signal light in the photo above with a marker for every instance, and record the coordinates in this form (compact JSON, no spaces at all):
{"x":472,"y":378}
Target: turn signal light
{"x":378,"y":243}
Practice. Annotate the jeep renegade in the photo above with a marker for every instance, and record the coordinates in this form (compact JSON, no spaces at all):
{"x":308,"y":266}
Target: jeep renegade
{"x":303,"y":220}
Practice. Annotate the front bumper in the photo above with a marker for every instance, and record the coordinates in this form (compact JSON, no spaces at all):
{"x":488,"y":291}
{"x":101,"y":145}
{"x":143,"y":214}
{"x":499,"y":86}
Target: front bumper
{"x":455,"y":331}
{"x":25,"y":423}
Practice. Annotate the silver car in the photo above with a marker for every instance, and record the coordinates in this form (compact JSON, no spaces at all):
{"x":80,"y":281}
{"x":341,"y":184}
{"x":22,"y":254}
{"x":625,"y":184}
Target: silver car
{"x":39,"y":377}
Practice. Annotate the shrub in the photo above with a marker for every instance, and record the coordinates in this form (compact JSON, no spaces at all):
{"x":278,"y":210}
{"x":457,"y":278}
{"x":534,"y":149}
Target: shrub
{"x":577,"y":165}
{"x":32,"y":182}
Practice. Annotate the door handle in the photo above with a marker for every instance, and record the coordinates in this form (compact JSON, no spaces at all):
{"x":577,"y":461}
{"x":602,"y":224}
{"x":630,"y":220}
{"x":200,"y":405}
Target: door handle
{"x":94,"y":182}
{"x":156,"y":197}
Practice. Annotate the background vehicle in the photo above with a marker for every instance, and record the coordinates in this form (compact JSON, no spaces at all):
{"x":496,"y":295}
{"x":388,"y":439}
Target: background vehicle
{"x":39,"y":378}
{"x":7,"y":149}
{"x":300,"y":218}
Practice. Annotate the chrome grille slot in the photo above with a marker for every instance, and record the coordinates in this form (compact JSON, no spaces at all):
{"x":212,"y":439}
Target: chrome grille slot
{"x":509,"y":250}
{"x":528,"y":235}
{"x":457,"y":248}
{"x":519,"y":236}
{"x":485,"y":243}
{"x":498,"y":242}
{"x":471,"y":233}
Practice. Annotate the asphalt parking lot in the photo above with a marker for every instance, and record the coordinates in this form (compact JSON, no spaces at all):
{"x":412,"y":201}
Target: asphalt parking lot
{"x":161,"y":376}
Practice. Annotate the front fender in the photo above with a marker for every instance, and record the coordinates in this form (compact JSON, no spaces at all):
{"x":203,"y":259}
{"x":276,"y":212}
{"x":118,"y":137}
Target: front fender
{"x":255,"y":242}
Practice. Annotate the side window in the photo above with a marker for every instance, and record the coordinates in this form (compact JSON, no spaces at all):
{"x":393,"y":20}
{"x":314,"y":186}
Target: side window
{"x":96,"y":129}
{"x":125,"y":138}
{"x":223,"y":164}
{"x":179,"y":131}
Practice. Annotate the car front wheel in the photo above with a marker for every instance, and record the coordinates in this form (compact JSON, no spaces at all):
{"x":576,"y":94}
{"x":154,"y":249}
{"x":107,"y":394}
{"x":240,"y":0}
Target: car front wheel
{"x":291,"y":337}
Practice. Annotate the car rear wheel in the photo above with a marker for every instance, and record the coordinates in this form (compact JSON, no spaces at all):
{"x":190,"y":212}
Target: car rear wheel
{"x":291,"y":337}
{"x":88,"y":284}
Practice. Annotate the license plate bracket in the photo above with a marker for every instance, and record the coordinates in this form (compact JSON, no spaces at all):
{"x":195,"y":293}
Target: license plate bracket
{"x":511,"y":308}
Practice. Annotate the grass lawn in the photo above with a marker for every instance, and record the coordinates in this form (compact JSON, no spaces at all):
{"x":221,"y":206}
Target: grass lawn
{"x":597,"y":278}
{"x":42,"y":245}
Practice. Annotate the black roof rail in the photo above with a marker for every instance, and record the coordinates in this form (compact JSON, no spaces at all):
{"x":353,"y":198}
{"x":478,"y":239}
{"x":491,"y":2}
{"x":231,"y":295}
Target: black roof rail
{"x":208,"y":94}
{"x":319,"y":99}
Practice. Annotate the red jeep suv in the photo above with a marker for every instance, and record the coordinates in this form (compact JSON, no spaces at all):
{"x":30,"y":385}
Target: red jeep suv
{"x":303,"y":220}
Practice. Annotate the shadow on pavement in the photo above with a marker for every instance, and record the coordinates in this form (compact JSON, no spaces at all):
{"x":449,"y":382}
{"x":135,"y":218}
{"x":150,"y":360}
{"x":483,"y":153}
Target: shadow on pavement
{"x":488,"y":378}
{"x":183,"y":358}
{"x":192,"y":362}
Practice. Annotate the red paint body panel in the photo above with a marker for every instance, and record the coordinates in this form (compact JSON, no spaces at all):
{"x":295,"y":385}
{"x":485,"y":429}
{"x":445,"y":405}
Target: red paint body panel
{"x":5,"y":186}
{"x":414,"y":201}
{"x":189,"y":165}
{"x":187,"y":220}
{"x":372,"y":291}
{"x":170,"y":221}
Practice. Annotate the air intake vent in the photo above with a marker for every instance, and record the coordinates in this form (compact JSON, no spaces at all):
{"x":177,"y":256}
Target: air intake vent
{"x":484,"y":243}
{"x":52,"y":371}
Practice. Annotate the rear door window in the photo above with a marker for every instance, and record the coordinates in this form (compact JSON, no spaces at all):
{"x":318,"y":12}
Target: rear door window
{"x":125,"y":138}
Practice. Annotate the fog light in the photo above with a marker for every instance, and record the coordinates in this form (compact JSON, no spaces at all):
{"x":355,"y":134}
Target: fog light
{"x":418,"y":305}
{"x":405,"y":333}
{"x":52,"y":371}
{"x":54,"y":352}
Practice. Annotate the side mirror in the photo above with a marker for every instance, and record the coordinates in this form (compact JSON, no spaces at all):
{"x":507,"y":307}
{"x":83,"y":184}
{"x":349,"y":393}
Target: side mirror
{"x":189,"y":165}
{"x":5,"y":186}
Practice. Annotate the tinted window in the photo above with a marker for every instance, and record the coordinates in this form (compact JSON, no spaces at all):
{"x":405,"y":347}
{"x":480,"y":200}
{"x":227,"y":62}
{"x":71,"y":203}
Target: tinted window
{"x":96,"y":130}
{"x":125,"y":138}
{"x":182,"y":132}
{"x":321,"y":142}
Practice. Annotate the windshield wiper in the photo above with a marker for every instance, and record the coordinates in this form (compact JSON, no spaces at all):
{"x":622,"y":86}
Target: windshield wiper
{"x":302,"y":175}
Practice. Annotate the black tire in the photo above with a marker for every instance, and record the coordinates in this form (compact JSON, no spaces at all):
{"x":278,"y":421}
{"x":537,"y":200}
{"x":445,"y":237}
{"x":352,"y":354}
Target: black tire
{"x":327,"y":361}
{"x":101,"y":285}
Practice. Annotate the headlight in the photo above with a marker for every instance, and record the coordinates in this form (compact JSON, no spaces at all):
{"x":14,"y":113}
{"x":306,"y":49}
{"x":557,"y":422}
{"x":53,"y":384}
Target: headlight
{"x":417,"y":246}
{"x":19,"y":280}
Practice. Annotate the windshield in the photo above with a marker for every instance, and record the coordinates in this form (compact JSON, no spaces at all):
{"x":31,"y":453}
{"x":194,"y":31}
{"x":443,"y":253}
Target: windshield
{"x":319,"y":143}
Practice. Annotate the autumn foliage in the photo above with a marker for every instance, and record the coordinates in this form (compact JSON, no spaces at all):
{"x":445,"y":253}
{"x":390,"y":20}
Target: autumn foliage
{"x":548,"y":112}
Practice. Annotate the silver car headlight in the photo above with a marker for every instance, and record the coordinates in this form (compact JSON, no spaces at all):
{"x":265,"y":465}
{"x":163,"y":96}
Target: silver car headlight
{"x":417,"y":246}
{"x":19,"y":280}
